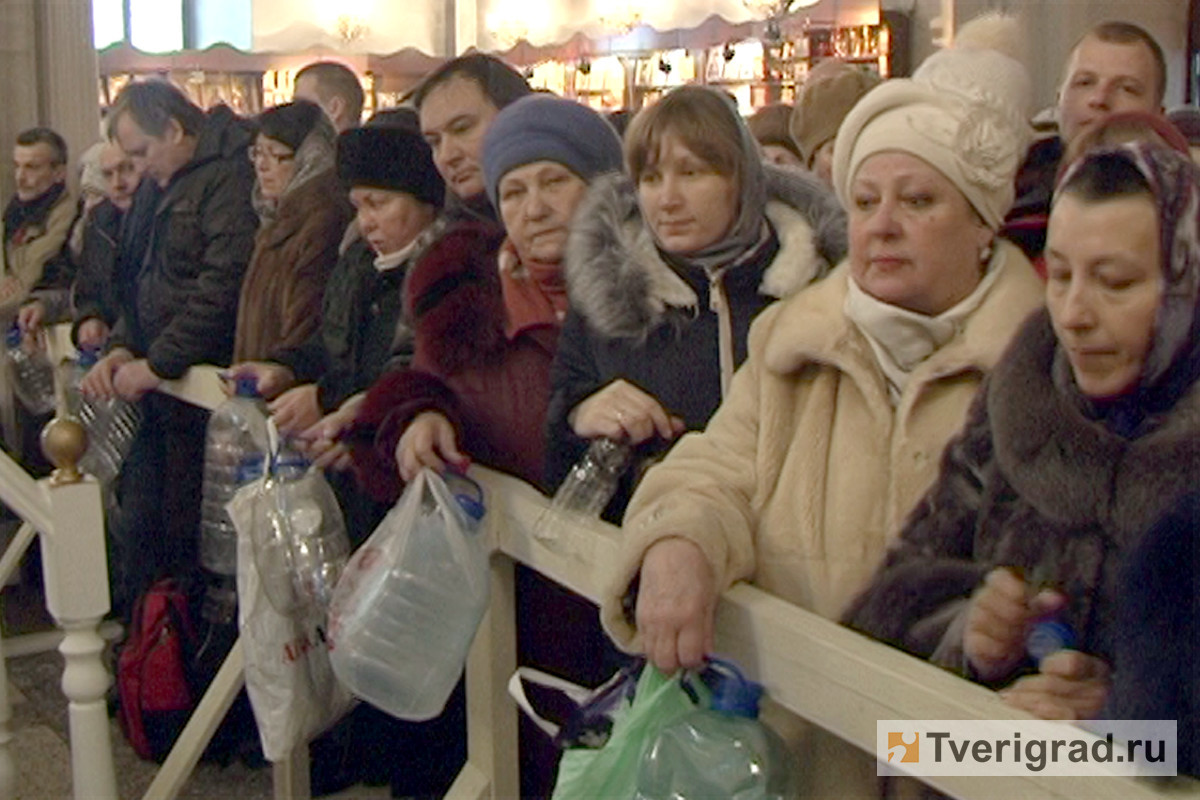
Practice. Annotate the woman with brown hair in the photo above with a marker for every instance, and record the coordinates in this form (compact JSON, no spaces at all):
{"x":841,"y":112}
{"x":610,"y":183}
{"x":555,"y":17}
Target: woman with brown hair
{"x":667,"y":267}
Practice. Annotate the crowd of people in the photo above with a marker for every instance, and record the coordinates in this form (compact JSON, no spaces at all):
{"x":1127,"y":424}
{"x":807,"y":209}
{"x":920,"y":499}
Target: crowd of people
{"x":875,"y":353}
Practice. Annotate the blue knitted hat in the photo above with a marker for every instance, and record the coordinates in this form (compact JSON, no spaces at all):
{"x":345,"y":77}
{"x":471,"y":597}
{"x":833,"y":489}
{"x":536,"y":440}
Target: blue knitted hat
{"x":545,"y":128}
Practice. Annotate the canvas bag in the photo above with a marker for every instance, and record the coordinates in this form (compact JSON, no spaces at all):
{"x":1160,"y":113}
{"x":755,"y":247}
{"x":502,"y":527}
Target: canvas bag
{"x":291,"y":684}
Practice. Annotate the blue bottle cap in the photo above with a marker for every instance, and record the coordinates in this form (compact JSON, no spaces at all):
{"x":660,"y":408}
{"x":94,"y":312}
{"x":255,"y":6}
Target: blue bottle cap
{"x":467,"y":492}
{"x":1048,"y":637}
{"x":88,"y":356}
{"x":733,"y":693}
{"x":246,"y":386}
{"x":250,"y":468}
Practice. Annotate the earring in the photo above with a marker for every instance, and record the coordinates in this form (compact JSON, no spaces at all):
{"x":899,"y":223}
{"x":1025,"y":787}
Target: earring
{"x":985,"y":253}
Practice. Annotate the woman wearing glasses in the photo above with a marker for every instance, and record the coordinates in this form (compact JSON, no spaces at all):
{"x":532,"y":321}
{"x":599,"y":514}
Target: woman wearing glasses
{"x":304,"y":212}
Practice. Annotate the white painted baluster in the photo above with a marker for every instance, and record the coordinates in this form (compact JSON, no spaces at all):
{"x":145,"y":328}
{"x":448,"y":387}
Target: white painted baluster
{"x":76,"y":576}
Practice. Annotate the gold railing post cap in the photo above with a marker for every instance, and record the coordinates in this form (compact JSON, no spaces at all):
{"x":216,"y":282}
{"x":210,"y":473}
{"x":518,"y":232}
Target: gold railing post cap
{"x":64,"y":441}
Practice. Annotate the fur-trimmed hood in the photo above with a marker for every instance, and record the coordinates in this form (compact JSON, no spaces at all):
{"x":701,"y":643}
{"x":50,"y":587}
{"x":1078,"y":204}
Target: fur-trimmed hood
{"x":619,"y":282}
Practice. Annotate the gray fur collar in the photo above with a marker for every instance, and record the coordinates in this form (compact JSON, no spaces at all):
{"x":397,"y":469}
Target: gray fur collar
{"x":618,"y":281}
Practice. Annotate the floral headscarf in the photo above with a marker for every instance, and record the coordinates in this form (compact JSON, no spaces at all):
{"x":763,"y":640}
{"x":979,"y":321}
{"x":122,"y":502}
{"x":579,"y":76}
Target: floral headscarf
{"x":1172,"y":365}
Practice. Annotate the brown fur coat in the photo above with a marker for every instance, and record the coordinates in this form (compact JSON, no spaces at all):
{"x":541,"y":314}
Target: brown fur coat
{"x":280,"y":303}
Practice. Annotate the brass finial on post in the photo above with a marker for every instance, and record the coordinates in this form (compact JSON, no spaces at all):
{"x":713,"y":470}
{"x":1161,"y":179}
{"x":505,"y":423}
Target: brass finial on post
{"x":64,"y":441}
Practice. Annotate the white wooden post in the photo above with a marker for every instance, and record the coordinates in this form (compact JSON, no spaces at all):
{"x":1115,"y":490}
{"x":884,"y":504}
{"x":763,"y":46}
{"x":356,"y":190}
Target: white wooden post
{"x":76,"y":576}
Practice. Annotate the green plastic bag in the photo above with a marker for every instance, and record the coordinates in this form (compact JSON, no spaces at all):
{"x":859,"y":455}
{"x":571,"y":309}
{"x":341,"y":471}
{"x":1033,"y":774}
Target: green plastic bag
{"x":611,"y":771}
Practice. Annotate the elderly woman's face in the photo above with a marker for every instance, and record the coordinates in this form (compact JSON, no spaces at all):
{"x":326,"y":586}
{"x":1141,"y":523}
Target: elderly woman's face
{"x":537,"y":202}
{"x":1104,"y":288}
{"x":389,"y":220}
{"x":687,"y":203}
{"x":915,"y":242}
{"x":274,"y":164}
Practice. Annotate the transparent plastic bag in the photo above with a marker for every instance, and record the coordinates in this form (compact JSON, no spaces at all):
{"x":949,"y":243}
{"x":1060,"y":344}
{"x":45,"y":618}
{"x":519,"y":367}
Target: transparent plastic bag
{"x":408,"y":604}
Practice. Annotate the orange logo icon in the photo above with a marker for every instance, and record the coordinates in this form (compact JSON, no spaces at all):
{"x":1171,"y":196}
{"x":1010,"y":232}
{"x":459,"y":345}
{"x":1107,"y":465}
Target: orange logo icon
{"x":904,"y":747}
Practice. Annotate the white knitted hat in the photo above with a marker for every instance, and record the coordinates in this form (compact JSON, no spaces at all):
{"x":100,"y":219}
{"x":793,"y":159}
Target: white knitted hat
{"x":964,"y":111}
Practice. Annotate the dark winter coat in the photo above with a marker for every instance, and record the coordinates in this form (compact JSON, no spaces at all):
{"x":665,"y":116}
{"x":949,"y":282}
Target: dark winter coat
{"x":1158,"y":631}
{"x":1034,"y":484}
{"x":95,"y":291}
{"x":294,"y":254}
{"x":181,"y":308}
{"x":637,"y":317}
{"x":360,"y":318}
{"x":492,"y":388}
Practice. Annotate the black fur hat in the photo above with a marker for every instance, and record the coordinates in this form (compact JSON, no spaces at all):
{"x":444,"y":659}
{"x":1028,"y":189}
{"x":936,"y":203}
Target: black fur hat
{"x":390,"y":157}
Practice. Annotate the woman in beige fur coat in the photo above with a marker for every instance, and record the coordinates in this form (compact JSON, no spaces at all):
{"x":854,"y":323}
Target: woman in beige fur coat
{"x":833,"y":428}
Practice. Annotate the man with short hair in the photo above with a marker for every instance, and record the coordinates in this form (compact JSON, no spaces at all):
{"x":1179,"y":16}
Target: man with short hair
{"x":186,"y":244}
{"x":79,"y":282}
{"x":335,"y":88}
{"x":1116,"y":66}
{"x":456,"y":104}
{"x":37,"y":219}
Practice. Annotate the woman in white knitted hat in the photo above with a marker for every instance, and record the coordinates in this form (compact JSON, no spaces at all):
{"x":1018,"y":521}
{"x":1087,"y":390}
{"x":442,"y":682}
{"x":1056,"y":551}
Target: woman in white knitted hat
{"x":833,"y":429}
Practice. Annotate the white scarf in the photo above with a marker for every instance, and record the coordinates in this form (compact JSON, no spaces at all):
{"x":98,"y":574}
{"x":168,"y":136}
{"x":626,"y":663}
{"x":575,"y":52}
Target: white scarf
{"x":392,"y":260}
{"x":902,"y":339}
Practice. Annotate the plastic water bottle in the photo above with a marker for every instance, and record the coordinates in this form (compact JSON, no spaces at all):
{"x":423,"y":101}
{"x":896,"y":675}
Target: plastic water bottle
{"x":586,"y":490}
{"x":236,"y":441}
{"x":723,"y":751}
{"x":408,"y":605}
{"x":31,"y":372}
{"x":111,"y":423}
{"x":300,"y":543}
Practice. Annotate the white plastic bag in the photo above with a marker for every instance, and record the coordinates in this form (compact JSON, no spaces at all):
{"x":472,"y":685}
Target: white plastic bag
{"x":291,"y":684}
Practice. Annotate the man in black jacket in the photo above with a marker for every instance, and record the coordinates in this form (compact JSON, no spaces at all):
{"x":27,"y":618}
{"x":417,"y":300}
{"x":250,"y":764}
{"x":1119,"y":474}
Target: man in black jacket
{"x":178,"y":275}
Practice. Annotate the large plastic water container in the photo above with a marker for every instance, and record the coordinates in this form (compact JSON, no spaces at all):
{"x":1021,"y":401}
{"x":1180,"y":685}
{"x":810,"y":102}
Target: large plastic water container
{"x":111,"y":423}
{"x":722,"y":751}
{"x":299,"y":536}
{"x":31,"y":373}
{"x":236,"y":441}
{"x":409,"y":602}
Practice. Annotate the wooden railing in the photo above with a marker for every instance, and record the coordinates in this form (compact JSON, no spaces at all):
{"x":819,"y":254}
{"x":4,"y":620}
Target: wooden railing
{"x":810,"y":666}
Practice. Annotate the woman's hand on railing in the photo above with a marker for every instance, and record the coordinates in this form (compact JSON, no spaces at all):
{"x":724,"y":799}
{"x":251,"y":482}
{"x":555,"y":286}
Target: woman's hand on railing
{"x":271,"y":379}
{"x":623,"y":412}
{"x":134,"y":378}
{"x":322,"y":441}
{"x":99,"y":380}
{"x":677,"y":598}
{"x":998,"y":620}
{"x":1069,"y":685}
{"x":31,"y":316}
{"x":428,"y":441}
{"x":296,"y":410}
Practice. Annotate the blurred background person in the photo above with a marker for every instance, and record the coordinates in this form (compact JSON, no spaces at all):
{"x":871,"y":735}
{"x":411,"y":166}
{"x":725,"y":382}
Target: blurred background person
{"x":335,"y":88}
{"x":769,"y":126}
{"x":826,"y":97}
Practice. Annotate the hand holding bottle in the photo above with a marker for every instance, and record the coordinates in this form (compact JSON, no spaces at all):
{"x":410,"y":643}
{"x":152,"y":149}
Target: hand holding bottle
{"x":998,"y":620}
